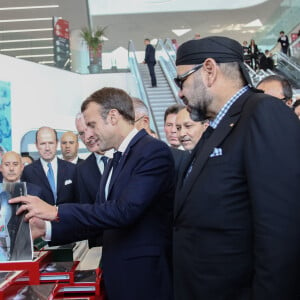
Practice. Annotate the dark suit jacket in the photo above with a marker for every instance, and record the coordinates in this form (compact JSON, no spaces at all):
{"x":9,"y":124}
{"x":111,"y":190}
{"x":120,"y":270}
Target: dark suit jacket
{"x":79,"y":160}
{"x":150,"y":55}
{"x":87,"y":180}
{"x":34,"y":173}
{"x":181,"y":157}
{"x":135,"y":219}
{"x":236,"y":219}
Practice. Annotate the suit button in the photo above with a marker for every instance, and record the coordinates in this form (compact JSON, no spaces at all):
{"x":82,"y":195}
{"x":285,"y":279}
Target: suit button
{"x":175,"y":228}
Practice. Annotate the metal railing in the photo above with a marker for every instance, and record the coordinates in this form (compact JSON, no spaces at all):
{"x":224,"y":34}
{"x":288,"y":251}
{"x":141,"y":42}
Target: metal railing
{"x":134,"y":68}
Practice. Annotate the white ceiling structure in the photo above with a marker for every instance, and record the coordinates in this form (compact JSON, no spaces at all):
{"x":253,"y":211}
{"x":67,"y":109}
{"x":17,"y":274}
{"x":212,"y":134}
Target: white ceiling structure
{"x":27,"y":32}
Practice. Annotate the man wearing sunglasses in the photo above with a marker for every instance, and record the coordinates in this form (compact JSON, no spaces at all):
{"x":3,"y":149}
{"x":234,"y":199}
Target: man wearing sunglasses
{"x":236,"y":216}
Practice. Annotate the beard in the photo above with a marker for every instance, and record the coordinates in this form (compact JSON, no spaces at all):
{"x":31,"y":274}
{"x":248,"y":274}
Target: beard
{"x":198,"y":102}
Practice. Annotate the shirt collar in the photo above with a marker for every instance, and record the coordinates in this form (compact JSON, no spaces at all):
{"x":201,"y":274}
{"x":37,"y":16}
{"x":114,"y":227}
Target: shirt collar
{"x":127,"y":140}
{"x":53,"y":163}
{"x":216,"y":121}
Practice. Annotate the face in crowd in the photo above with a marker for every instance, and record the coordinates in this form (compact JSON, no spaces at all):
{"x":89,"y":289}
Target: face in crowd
{"x":46,"y":143}
{"x":69,"y":145}
{"x":90,"y":141}
{"x":189,"y":132}
{"x":11,"y":166}
{"x":171,"y":130}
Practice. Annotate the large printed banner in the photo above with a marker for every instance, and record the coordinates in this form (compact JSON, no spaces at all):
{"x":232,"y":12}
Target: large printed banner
{"x":5,"y":117}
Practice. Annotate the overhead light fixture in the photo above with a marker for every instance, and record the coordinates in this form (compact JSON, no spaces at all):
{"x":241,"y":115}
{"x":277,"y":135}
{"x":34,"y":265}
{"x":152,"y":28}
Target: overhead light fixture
{"x":25,"y":20}
{"x":26,"y":30}
{"x":25,"y":48}
{"x":34,"y":55}
{"x":29,"y":7}
{"x":25,"y":40}
{"x":180,"y":32}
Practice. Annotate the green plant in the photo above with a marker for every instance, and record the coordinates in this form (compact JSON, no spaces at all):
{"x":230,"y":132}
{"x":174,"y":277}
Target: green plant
{"x":93,"y":39}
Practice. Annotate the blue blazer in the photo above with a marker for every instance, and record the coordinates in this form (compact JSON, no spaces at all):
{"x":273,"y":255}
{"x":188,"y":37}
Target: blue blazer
{"x":87,"y":180}
{"x":135,"y":220}
{"x":236,"y":218}
{"x":34,"y":173}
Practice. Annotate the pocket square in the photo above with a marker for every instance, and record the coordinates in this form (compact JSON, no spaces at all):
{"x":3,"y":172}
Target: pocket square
{"x":216,"y":152}
{"x":68,"y":181}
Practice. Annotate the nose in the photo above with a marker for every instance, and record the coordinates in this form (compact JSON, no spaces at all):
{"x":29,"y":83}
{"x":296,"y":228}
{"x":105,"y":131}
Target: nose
{"x":89,"y":134}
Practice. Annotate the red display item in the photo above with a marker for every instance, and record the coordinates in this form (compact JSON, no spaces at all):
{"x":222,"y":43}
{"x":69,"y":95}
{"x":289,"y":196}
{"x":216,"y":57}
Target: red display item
{"x":85,"y":282}
{"x":7,"y":278}
{"x":32,"y":267}
{"x":58,"y":271}
{"x":25,"y":291}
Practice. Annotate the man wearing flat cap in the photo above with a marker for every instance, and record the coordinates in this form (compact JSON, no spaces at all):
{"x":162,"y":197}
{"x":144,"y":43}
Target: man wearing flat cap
{"x":237,"y":205}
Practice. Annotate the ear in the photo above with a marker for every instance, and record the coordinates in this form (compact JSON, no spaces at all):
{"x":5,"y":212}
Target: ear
{"x":113,"y":116}
{"x":210,"y":71}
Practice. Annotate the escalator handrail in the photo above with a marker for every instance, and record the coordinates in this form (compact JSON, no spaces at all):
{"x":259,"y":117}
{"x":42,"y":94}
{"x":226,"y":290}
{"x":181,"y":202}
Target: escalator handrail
{"x":133,"y":66}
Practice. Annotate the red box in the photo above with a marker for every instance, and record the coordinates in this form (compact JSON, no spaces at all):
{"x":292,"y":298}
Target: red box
{"x":32,"y":267}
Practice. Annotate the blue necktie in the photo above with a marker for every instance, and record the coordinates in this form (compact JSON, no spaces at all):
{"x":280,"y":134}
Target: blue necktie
{"x":50,"y":176}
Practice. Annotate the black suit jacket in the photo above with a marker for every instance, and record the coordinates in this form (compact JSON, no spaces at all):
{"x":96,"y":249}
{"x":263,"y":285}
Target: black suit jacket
{"x":150,"y":55}
{"x":135,"y":220}
{"x":87,"y":180}
{"x":34,"y":173}
{"x":236,"y":220}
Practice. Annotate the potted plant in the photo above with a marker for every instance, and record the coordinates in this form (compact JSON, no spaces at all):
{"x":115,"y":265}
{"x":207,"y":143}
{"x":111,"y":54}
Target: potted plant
{"x":94,"y":40}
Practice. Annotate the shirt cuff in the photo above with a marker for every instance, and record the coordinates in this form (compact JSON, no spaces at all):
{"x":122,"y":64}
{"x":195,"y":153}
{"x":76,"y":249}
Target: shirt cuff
{"x":48,"y":233}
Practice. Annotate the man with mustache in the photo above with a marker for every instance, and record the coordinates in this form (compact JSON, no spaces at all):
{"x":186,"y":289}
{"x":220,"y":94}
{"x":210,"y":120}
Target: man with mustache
{"x":189,"y":132}
{"x":236,"y":215}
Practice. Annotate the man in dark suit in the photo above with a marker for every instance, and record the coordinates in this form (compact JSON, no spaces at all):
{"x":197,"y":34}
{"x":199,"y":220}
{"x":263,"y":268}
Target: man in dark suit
{"x":236,"y":217}
{"x":150,"y":61}
{"x":88,"y":173}
{"x":134,"y":209}
{"x":69,"y":147}
{"x":55,"y":176}
{"x":12,"y":167}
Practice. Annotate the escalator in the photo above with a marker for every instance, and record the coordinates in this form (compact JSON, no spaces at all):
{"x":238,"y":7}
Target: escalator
{"x":165,"y":94}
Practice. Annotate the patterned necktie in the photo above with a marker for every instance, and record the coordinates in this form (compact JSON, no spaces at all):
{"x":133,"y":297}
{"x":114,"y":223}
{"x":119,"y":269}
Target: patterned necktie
{"x":50,"y":176}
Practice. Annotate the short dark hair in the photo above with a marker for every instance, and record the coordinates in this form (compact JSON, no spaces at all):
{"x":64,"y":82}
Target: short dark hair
{"x":37,"y":132}
{"x":282,"y":31}
{"x":112,"y":98}
{"x":296,"y":104}
{"x":26,"y":154}
{"x":173,"y":109}
{"x":286,"y":85}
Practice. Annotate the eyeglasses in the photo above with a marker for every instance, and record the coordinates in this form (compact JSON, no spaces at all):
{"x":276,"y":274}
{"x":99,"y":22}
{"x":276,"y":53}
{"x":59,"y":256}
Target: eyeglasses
{"x":140,"y":118}
{"x":179,"y":80}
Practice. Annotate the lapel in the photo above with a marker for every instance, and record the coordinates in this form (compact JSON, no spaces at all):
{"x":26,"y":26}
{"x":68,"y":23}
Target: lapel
{"x":123,"y":160}
{"x":60,"y":175}
{"x":40,"y":173}
{"x":226,"y":125}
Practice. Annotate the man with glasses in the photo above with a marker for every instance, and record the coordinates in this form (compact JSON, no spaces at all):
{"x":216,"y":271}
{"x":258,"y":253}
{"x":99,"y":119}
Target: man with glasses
{"x":236,"y":216}
{"x":279,"y":87}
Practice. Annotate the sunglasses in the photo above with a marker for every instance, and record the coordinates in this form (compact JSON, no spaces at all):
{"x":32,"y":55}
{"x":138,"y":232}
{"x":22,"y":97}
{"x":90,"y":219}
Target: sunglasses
{"x":179,"y":80}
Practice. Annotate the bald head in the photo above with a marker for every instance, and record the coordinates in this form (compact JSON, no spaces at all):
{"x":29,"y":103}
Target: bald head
{"x":46,"y":143}
{"x":11,"y":166}
{"x":69,"y":145}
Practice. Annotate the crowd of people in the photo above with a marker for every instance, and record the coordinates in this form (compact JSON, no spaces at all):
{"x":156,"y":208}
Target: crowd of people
{"x":263,"y":60}
{"x":213,"y":214}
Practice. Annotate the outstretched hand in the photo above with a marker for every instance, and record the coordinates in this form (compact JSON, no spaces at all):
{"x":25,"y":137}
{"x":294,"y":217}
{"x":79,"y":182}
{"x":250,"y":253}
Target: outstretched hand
{"x":35,"y":207}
